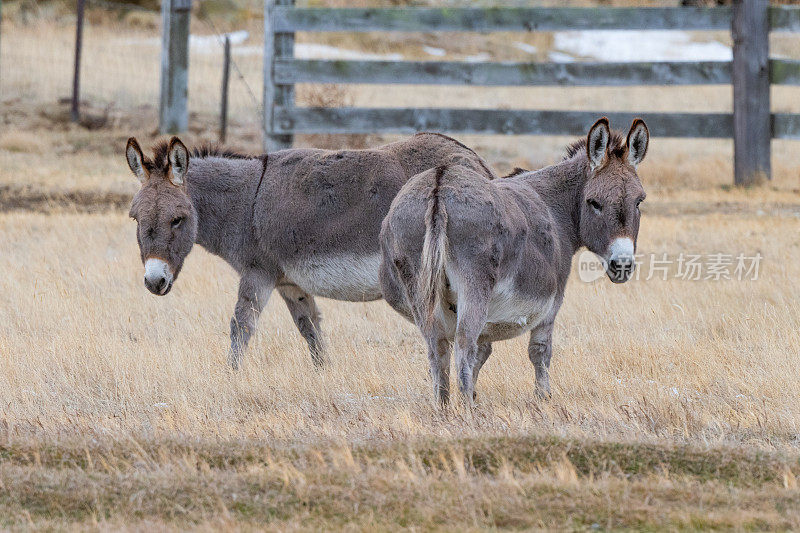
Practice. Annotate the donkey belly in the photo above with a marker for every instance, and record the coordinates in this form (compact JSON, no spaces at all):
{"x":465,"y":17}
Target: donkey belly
{"x":352,"y":278}
{"x":512,"y":314}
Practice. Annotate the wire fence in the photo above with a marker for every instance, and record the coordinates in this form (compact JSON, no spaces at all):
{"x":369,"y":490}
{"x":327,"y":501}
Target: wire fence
{"x":121,"y":58}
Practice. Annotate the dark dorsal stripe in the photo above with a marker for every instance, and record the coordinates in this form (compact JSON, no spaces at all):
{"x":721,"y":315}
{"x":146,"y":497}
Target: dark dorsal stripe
{"x":458,"y":143}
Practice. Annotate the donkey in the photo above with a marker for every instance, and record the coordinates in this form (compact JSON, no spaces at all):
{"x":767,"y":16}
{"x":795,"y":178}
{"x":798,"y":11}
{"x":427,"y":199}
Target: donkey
{"x":474,"y":261}
{"x":304,"y":221}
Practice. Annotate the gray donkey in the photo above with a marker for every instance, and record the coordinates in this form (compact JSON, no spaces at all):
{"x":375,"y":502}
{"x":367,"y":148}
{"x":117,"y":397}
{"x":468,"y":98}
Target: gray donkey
{"x":476,"y":261}
{"x":304,"y":221}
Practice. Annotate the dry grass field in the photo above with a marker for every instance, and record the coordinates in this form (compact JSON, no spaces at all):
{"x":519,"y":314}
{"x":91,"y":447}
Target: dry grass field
{"x":676,"y":403}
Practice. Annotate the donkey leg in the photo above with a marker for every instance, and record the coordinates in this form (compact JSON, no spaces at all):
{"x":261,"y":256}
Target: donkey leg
{"x":439,"y":359}
{"x":540,"y":350}
{"x":254,"y":291}
{"x":472,"y":312}
{"x":484,"y":351}
{"x":306,"y":317}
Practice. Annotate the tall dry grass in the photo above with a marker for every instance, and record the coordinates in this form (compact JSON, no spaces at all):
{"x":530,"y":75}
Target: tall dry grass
{"x":88,"y":353}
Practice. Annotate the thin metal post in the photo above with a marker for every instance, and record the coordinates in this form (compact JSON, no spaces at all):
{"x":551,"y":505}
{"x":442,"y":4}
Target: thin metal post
{"x":226,"y":70}
{"x":76,"y":76}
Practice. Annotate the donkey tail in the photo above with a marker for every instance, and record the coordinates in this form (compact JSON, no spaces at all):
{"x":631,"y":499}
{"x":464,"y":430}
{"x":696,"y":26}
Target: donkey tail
{"x":432,"y":277}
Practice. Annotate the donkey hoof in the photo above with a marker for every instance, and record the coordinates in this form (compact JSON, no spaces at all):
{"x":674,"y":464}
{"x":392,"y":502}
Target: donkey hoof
{"x":234,"y":361}
{"x":543,"y":394}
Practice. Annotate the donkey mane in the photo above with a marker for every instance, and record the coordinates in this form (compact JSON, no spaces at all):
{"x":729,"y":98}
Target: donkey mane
{"x":516,"y":172}
{"x":160,"y":160}
{"x":616,"y":147}
{"x":213,"y":150}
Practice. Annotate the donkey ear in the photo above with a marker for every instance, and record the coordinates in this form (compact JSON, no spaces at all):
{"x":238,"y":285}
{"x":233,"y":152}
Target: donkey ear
{"x":178,"y":161}
{"x":638,"y":139}
{"x":133,"y":153}
{"x":597,"y":143}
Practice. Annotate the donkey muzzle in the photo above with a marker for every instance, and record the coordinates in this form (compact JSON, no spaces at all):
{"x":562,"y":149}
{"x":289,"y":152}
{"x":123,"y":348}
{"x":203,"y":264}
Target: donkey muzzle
{"x":621,"y":261}
{"x":157,"y":276}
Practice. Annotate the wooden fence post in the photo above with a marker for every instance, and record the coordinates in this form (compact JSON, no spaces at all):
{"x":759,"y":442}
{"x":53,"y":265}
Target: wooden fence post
{"x":173,"y":111}
{"x":276,"y":45}
{"x":1,"y":48}
{"x":752,"y":129}
{"x":226,"y":70}
{"x":76,"y":75}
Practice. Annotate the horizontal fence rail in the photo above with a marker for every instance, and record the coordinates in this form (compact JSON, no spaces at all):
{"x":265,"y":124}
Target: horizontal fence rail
{"x":501,"y":19}
{"x":490,"y":121}
{"x":288,"y":71}
{"x":510,"y":122}
{"x":750,"y":54}
{"x":290,"y":19}
{"x":502,"y":74}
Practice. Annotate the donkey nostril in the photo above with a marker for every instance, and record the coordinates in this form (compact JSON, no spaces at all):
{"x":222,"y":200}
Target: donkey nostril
{"x":155,"y":284}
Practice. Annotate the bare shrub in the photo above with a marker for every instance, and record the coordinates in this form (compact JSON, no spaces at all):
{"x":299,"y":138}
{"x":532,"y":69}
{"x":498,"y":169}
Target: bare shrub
{"x":331,"y":95}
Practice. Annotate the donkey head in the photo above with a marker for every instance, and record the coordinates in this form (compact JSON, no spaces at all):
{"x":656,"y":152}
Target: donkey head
{"x":165,"y":217}
{"x":609,"y":224}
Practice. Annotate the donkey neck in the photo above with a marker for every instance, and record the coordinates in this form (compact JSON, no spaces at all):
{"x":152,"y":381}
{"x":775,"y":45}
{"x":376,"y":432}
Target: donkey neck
{"x":222,"y":191}
{"x":561,"y":186}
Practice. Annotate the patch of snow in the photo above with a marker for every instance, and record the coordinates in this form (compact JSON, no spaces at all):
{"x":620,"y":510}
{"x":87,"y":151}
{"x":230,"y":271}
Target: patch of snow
{"x":204,"y":44}
{"x":248,"y":51}
{"x":525,"y":47}
{"x":430,"y":50}
{"x":622,"y":46}
{"x":212,"y":43}
{"x":560,"y":57}
{"x":477,"y":58}
{"x":207,"y":44}
{"x":324,"y":51}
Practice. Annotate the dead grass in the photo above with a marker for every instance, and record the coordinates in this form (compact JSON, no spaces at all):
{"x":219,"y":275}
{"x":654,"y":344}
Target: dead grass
{"x":466,"y":484}
{"x":673,"y":361}
{"x":118,"y":410}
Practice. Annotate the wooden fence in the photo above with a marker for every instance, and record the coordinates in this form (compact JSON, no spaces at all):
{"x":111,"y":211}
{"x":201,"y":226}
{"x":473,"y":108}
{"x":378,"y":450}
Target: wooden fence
{"x":751,"y":72}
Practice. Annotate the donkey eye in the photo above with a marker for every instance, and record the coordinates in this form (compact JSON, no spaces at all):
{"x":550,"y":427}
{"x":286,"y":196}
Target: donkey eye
{"x":595,"y":205}
{"x":176,"y":222}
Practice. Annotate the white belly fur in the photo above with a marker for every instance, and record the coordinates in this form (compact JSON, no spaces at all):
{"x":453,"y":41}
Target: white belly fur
{"x":344,"y":277}
{"x":508,"y":307}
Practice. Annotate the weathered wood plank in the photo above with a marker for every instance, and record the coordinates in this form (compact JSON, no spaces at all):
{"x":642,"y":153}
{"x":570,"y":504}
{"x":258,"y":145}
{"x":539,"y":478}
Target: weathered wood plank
{"x":492,"y":121}
{"x":502,"y":74}
{"x":784,"y":18}
{"x":276,"y":46}
{"x":784,"y":72}
{"x":173,"y":103}
{"x":268,"y":94}
{"x":786,"y":126}
{"x":499,"y":19}
{"x":751,"y":118}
